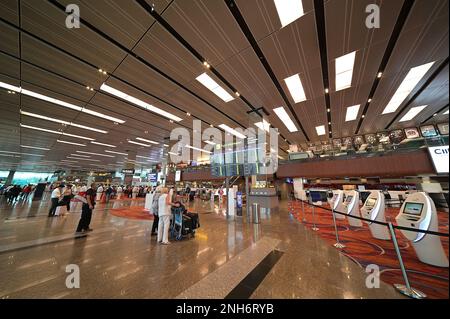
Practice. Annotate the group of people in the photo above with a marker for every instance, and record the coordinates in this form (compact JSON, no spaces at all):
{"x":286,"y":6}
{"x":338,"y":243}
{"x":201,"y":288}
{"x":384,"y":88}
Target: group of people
{"x":15,"y":193}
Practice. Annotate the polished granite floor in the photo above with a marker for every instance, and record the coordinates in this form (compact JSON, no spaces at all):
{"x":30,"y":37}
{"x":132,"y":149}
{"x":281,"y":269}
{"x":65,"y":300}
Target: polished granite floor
{"x":120,"y":259}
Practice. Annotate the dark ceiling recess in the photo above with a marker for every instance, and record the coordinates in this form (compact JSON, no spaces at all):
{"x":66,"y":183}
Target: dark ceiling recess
{"x":145,"y":62}
{"x":246,"y":31}
{"x":319,"y":11}
{"x":404,"y":12}
{"x":419,"y":91}
{"x":438,"y":112}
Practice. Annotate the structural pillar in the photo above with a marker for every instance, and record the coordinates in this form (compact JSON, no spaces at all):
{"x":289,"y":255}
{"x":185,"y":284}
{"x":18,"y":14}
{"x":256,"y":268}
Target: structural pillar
{"x":10,"y":177}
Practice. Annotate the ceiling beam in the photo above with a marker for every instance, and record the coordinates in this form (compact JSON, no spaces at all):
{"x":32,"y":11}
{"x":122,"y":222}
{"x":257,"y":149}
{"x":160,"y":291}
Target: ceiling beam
{"x":401,"y":20}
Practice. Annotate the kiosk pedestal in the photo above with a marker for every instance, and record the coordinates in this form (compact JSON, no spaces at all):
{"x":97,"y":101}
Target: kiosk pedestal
{"x":351,"y":205}
{"x":374,"y":209}
{"x":419,"y":212}
{"x":337,"y":204}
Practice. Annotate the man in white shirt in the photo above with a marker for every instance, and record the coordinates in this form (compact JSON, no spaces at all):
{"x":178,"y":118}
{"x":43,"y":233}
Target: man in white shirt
{"x":119,"y":192}
{"x":56,"y":195}
{"x":99,"y":193}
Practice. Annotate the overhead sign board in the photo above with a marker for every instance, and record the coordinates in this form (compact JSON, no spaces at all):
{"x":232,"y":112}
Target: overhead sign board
{"x":439,"y":156}
{"x":128,"y":171}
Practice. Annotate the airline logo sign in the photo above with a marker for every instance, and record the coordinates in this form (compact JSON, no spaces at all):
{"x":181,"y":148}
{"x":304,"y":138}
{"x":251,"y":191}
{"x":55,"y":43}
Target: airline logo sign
{"x":439,"y":155}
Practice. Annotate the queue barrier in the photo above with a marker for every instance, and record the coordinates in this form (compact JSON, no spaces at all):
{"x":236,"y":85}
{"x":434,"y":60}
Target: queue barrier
{"x":405,"y":288}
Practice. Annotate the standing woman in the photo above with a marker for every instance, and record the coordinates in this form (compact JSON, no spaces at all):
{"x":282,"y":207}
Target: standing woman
{"x":164,"y":213}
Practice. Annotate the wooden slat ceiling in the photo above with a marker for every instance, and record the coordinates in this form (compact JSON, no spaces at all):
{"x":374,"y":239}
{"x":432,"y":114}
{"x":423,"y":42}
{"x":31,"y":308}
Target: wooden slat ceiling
{"x":59,"y":62}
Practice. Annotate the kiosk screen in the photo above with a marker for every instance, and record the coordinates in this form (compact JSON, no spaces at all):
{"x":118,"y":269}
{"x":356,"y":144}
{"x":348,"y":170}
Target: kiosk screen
{"x":349,"y":198}
{"x":370,"y":202}
{"x":318,"y":196}
{"x":413,"y":209}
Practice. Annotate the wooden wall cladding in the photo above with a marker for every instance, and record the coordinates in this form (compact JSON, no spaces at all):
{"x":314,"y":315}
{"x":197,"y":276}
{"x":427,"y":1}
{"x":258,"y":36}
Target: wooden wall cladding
{"x":395,"y":165}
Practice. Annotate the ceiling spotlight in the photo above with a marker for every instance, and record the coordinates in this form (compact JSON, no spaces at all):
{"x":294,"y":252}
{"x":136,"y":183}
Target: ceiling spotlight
{"x":104,"y":72}
{"x":328,"y":110}
{"x":210,"y":125}
{"x":100,"y":70}
{"x":171,"y":121}
{"x":326,"y":90}
{"x":188,"y":114}
{"x":146,"y":132}
{"x":435,"y":114}
{"x":363,"y":116}
{"x":115,"y":123}
{"x":369,"y":100}
{"x":379,"y":74}
{"x":237,"y":93}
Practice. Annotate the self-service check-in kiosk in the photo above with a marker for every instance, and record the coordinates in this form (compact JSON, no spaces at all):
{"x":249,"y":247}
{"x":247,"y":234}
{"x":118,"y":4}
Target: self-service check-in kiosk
{"x":337,"y":204}
{"x":351,"y":205}
{"x":374,"y":209}
{"x":419,"y":212}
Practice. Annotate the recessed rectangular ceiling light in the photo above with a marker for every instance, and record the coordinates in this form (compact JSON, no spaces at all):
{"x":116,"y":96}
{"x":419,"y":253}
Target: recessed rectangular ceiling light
{"x":103,"y":144}
{"x":320,"y":130}
{"x":67,"y":142}
{"x":21,"y":153}
{"x":36,"y":148}
{"x":198,"y":149}
{"x":285,"y":118}
{"x":55,"y":132}
{"x":69,"y":161}
{"x":214,"y":87}
{"x":263,"y":125}
{"x":84,"y":159}
{"x":148,"y":141}
{"x":289,"y":10}
{"x":59,"y":102}
{"x":445,"y":113}
{"x":295,"y":87}
{"x":86,"y":156}
{"x":138,"y":102}
{"x":412,"y":113}
{"x":210,"y":142}
{"x":104,"y":155}
{"x":412,"y":78}
{"x":232,"y":131}
{"x":172,"y":153}
{"x":108,"y":151}
{"x":137,"y":143}
{"x":61,"y":121}
{"x":352,"y":113}
{"x":344,"y":70}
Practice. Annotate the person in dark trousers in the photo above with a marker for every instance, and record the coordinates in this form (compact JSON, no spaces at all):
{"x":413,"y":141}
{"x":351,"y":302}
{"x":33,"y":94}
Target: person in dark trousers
{"x":86,"y":210}
{"x":108,"y":193}
{"x":56,"y":196}
{"x":155,"y":208}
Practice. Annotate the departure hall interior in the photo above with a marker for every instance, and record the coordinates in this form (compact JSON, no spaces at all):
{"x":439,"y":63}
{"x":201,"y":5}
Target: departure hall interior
{"x":224,"y":149}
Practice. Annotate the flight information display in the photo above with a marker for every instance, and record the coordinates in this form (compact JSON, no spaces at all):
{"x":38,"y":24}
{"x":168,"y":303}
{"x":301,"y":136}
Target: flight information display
{"x":370,"y":202}
{"x":349,"y":198}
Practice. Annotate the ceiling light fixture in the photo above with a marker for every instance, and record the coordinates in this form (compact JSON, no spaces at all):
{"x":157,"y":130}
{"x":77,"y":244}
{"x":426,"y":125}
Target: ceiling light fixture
{"x":295,"y":87}
{"x":445,"y":113}
{"x":263,"y":125}
{"x":40,"y":155}
{"x":86,"y":156}
{"x":84,"y":159}
{"x":55,"y":132}
{"x":108,"y":151}
{"x":67,"y":142}
{"x":285,"y":118}
{"x":141,"y":144}
{"x":104,"y":155}
{"x":103,"y":144}
{"x":412,"y":113}
{"x":148,"y":141}
{"x":344,"y":70}
{"x":288,"y":11}
{"x":197,"y":149}
{"x":138,"y":102}
{"x":51,"y":119}
{"x":232,"y":131}
{"x":320,"y":130}
{"x":212,"y":85}
{"x":58,"y":102}
{"x":352,"y":113}
{"x":210,"y":142}
{"x":34,"y":147}
{"x":410,"y":81}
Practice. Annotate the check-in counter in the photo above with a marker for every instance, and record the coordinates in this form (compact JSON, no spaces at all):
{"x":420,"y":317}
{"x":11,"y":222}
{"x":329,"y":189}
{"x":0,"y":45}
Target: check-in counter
{"x":266,"y":197}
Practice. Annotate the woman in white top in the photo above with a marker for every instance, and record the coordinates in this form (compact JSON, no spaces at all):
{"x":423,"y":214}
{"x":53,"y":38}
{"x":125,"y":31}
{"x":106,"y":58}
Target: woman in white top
{"x":119,"y":192}
{"x":164,"y":213}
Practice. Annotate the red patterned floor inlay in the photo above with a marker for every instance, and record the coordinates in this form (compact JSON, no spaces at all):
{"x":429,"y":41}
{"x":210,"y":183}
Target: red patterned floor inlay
{"x":363,"y":248}
{"x":133,"y":212}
